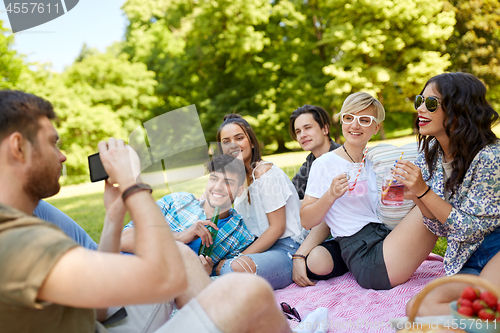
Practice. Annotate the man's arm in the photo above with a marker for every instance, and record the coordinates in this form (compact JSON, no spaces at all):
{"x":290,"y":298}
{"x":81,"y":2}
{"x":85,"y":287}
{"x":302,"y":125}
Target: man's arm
{"x":83,"y":278}
{"x":195,"y":231}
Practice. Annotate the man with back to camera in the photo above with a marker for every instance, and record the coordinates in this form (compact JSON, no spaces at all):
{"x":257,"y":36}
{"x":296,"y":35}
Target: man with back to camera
{"x":188,"y":217}
{"x":50,"y":284}
{"x":310,"y":126}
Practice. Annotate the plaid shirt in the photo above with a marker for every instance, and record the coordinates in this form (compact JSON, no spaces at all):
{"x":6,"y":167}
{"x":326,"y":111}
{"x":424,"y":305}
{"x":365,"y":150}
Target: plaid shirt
{"x":182,"y":210}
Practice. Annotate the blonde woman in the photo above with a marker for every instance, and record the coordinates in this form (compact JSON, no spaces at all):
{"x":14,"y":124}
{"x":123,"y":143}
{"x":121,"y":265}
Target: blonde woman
{"x":377,"y":257}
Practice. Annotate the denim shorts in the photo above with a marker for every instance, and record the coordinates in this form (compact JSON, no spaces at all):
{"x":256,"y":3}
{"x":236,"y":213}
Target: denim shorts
{"x":487,"y":250}
{"x":275,"y":265}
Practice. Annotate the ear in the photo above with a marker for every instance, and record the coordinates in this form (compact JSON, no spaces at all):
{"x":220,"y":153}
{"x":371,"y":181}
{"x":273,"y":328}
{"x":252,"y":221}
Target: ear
{"x":376,"y":129}
{"x":19,"y":146}
{"x":326,"y":130}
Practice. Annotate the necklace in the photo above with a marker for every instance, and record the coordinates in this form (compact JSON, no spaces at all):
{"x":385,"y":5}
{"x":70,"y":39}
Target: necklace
{"x":348,"y":154}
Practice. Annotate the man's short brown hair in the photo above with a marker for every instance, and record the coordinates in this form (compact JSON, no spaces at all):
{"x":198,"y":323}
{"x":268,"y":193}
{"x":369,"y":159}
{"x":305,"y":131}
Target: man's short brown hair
{"x":227,"y":163}
{"x":20,"y":112}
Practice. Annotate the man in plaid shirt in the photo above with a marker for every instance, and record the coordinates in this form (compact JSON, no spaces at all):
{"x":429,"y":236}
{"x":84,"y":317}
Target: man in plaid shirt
{"x":188,"y":216}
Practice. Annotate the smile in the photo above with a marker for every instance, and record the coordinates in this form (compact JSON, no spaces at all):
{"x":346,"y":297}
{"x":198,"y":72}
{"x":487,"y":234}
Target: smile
{"x":305,"y":142}
{"x":423,"y":121}
{"x":235,"y":153}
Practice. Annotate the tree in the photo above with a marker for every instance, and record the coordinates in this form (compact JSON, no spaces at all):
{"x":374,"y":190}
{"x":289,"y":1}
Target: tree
{"x":103,"y":95}
{"x":474,"y":45}
{"x":387,"y":48}
{"x":11,"y":64}
{"x":264,"y":58}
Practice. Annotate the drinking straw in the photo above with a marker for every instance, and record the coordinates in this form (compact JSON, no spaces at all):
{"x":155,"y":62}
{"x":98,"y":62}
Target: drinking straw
{"x":392,"y":176}
{"x":359,"y":170}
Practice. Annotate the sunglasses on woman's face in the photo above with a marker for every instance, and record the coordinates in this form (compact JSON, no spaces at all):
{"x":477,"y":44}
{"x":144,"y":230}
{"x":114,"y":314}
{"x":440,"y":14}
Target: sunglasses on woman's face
{"x":290,"y":313}
{"x":431,"y":103}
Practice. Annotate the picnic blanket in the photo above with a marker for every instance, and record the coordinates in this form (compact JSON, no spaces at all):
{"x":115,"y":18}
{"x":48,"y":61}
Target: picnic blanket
{"x":354,"y":309}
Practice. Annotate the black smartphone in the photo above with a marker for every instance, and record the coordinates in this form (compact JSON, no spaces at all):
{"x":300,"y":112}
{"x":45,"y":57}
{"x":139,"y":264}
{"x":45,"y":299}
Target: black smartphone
{"x":96,"y":168}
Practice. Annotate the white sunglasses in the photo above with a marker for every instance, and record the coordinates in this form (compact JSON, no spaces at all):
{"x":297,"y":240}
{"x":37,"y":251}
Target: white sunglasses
{"x":364,"y":121}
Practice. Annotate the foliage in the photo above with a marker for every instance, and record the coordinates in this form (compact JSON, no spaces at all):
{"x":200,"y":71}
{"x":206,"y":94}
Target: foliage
{"x":263,"y":58}
{"x":475,"y":43}
{"x":386,"y":48}
{"x":259,"y":58}
{"x":11,"y":63}
{"x":103,"y":95}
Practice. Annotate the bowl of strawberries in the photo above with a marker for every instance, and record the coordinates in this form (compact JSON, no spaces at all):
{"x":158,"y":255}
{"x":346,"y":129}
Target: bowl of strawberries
{"x":477,"y":311}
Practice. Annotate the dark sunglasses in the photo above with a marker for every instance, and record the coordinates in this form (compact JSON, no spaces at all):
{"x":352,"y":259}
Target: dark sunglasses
{"x":431,"y":103}
{"x":290,"y":313}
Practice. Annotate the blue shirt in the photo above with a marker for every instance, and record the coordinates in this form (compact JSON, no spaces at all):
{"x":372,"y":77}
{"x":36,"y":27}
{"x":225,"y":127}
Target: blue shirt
{"x":195,"y":245}
{"x":182,"y":210}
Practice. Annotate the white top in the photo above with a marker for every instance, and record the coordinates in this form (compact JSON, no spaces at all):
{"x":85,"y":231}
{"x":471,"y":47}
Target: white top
{"x":268,"y":193}
{"x":348,"y":214}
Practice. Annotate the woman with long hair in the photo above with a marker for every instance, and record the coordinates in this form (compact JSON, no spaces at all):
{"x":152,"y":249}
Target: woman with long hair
{"x":269,"y":205}
{"x":455,"y":180}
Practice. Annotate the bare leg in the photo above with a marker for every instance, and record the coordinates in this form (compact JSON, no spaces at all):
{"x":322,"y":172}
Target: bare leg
{"x":407,"y":246}
{"x":243,"y":303}
{"x":437,"y":301}
{"x":244,"y":265}
{"x":196,"y":275}
{"x":320,"y":261}
{"x":491,"y":271}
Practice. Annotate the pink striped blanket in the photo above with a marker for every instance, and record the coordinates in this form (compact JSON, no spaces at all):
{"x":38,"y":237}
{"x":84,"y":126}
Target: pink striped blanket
{"x":354,"y":309}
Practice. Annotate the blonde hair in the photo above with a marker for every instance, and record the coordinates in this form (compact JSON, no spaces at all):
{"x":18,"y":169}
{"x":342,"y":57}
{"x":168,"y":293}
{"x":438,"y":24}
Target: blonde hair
{"x":359,"y":101}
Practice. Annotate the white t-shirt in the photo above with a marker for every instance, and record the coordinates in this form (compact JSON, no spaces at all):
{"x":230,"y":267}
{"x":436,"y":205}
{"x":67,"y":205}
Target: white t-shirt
{"x":348,"y":214}
{"x":268,"y":193}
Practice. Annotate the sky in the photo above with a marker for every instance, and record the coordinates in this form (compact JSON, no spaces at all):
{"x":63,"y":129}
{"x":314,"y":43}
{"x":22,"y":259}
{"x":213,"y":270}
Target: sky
{"x":98,"y":23}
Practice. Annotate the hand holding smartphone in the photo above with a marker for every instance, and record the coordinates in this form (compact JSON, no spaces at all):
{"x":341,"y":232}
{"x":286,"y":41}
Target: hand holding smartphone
{"x":97,"y":172}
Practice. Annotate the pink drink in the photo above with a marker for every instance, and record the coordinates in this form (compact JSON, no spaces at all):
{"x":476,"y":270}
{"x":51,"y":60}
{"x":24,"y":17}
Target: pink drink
{"x":360,"y":189}
{"x":394,"y":196}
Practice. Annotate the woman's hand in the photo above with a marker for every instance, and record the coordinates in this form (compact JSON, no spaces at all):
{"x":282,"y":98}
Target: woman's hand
{"x":300,"y":273}
{"x":411,"y":176}
{"x":339,"y":186}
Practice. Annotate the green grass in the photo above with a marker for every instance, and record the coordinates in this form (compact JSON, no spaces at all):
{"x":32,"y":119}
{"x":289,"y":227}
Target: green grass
{"x":88,"y":209}
{"x":440,"y":247}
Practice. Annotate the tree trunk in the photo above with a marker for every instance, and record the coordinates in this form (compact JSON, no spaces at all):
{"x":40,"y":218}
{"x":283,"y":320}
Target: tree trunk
{"x":382,"y":129}
{"x":281,"y":146}
{"x":415,"y":129}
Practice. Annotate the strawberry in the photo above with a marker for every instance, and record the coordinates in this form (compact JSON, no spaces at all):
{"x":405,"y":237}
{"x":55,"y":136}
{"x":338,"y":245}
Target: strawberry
{"x":489,"y":298}
{"x":463,"y":302}
{"x":486,"y":314}
{"x":497,"y":315}
{"x":470,"y":293}
{"x":478,"y":305}
{"x":466,"y":311}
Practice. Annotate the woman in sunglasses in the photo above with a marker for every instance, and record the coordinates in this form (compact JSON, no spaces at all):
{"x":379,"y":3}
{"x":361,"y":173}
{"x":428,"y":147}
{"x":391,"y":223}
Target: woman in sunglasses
{"x":455,"y":180}
{"x":377,"y":257}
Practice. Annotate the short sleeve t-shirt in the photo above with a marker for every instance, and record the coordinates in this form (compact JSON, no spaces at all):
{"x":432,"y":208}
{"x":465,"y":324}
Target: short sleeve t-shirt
{"x":348,"y":214}
{"x":27,"y":255}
